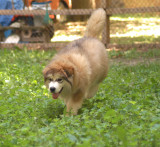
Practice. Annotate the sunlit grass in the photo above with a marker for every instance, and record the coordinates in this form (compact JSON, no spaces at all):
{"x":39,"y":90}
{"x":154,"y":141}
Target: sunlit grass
{"x":123,"y":30}
{"x":143,"y":30}
{"x":65,"y":38}
{"x":136,"y":18}
{"x":135,"y":29}
{"x":69,"y":31}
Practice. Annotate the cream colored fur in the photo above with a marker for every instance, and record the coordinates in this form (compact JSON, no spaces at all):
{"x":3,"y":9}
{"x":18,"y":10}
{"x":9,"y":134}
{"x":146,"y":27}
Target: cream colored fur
{"x":83,"y":64}
{"x":96,"y":23}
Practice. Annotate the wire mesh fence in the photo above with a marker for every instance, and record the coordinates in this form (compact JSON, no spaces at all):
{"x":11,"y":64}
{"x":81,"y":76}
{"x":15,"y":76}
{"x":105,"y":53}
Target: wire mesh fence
{"x":32,"y":23}
{"x":135,"y":24}
{"x":18,"y":25}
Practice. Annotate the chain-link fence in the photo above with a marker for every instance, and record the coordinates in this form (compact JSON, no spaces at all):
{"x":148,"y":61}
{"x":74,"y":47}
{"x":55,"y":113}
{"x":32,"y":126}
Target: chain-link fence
{"x":25,"y":22}
{"x":135,"y":24}
{"x":130,"y":23}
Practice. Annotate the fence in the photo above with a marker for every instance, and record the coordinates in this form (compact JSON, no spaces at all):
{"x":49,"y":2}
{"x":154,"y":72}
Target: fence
{"x":41,"y":34}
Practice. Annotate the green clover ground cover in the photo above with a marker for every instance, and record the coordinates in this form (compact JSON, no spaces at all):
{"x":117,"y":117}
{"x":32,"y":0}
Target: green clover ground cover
{"x":125,"y":111}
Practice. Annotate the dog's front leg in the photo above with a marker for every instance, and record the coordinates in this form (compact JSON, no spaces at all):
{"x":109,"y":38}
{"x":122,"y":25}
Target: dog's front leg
{"x":74,"y":104}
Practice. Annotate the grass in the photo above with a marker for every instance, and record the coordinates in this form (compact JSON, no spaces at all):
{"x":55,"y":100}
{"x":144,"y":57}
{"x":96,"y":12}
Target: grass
{"x":128,"y":29}
{"x":125,"y":111}
{"x":124,"y":29}
{"x":135,"y":54}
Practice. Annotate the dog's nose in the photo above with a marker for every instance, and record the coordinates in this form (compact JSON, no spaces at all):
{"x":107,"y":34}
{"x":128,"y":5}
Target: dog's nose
{"x":52,"y":89}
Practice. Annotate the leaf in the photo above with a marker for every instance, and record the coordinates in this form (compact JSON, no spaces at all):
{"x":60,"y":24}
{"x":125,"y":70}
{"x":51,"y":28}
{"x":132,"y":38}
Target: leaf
{"x":132,"y":102}
{"x":72,"y":137}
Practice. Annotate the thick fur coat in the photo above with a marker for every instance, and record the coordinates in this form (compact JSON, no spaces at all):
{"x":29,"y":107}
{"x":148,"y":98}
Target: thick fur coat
{"x":75,"y":72}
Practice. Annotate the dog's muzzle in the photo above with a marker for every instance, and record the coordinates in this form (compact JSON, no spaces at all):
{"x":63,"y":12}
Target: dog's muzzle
{"x":55,"y":95}
{"x":55,"y":89}
{"x":52,"y":89}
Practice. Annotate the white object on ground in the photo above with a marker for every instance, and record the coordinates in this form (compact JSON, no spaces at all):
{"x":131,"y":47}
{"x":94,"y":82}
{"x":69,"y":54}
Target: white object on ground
{"x":12,"y":39}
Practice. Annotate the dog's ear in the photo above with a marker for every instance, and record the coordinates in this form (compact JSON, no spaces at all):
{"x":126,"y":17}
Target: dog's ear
{"x":68,"y":71}
{"x":44,"y":72}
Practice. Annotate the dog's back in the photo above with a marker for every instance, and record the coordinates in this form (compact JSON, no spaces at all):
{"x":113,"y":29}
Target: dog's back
{"x":95,"y":49}
{"x":91,"y":47}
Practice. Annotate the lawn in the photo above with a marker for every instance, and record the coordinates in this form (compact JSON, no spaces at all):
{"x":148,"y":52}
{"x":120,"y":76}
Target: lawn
{"x":124,"y":29}
{"x":124,"y":112}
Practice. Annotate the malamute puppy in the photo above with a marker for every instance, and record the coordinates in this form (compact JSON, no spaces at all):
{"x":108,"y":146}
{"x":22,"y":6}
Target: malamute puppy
{"x":75,"y":73}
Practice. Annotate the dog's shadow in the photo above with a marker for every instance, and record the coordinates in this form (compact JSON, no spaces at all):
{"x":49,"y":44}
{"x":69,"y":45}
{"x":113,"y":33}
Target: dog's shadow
{"x":54,"y":109}
{"x":87,"y":105}
{"x":57,"y":109}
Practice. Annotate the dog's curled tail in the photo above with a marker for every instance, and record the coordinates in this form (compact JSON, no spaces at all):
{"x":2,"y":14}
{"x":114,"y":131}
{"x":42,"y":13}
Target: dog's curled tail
{"x":95,"y":23}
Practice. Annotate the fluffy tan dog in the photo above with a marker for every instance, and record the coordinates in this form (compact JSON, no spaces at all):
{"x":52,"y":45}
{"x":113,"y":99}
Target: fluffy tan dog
{"x":75,"y":73}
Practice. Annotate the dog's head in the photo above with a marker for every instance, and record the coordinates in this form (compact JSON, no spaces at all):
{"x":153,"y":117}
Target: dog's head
{"x":58,"y":79}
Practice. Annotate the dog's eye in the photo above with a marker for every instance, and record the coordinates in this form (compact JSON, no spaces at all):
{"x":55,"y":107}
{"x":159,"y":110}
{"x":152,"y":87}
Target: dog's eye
{"x":59,"y":80}
{"x":50,"y":79}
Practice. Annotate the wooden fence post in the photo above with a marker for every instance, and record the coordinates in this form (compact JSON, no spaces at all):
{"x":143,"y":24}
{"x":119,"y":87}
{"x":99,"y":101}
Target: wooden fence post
{"x":108,"y":24}
{"x":106,"y":31}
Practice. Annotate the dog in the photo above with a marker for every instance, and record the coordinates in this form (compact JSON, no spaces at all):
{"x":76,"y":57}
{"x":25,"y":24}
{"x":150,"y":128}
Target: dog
{"x":76,"y":71}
